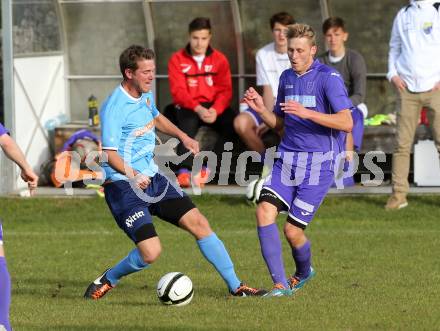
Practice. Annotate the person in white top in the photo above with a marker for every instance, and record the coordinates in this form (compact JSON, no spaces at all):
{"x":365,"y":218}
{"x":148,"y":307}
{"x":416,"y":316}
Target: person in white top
{"x":271,"y":61}
{"x":414,"y":69}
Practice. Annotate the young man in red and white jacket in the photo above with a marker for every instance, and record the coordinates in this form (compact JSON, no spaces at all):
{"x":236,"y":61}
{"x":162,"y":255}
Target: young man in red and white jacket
{"x":201,"y":88}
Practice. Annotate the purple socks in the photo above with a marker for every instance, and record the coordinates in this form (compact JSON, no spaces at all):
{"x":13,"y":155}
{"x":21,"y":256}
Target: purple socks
{"x":271,"y":250}
{"x":5,"y":294}
{"x":303,"y":260}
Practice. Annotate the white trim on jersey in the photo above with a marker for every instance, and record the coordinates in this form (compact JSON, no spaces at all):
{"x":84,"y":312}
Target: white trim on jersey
{"x":298,"y":220}
{"x":304,"y":205}
{"x":128,"y":95}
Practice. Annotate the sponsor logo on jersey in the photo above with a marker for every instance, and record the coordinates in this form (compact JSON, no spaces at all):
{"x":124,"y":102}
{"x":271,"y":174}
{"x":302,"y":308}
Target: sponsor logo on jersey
{"x":185,"y":67}
{"x":132,"y":218}
{"x":145,"y":129}
{"x":427,"y":27}
{"x":192,"y":82}
{"x":308,"y":101}
{"x":209,"y":81}
{"x":288,"y":86}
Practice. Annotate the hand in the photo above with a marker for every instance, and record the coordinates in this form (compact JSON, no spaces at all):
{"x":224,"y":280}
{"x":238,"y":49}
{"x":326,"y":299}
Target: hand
{"x":254,"y":100}
{"x":398,"y":83}
{"x":191,"y":144}
{"x":141,"y":181}
{"x":201,"y":111}
{"x":295,"y":108}
{"x":31,"y":179}
{"x":262,"y":129}
{"x":349,"y":156}
{"x":436,"y":87}
{"x":210,"y":116}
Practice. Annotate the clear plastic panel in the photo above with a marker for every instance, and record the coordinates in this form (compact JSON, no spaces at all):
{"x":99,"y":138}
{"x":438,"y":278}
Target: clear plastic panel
{"x":171,"y":19}
{"x":256,"y":26}
{"x":35,"y":27}
{"x":80,"y":91}
{"x":369,"y":24}
{"x":98,"y":32}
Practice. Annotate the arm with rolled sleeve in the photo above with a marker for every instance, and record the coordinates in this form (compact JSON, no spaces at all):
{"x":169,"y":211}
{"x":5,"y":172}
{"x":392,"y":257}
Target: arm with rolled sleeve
{"x":223,"y":86}
{"x":395,"y":49}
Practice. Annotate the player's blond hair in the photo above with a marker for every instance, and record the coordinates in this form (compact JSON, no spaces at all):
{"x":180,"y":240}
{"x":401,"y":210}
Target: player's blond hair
{"x":300,"y":30}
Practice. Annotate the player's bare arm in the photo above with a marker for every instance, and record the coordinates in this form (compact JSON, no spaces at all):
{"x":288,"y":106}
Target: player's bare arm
{"x":166,"y":126}
{"x":117,"y":163}
{"x":255,"y":101}
{"x":268,"y":97}
{"x":14,"y":153}
{"x":340,"y":121}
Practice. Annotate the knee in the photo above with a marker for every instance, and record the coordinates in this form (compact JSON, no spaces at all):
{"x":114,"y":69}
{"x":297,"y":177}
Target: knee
{"x":266,"y":214}
{"x":294,"y":234}
{"x":240,"y":124}
{"x":152,"y":254}
{"x":197,"y":225}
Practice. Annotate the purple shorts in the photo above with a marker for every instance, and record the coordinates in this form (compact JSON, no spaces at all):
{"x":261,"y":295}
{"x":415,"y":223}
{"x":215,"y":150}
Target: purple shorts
{"x":358,"y":129}
{"x":301,"y":185}
{"x":255,"y":116}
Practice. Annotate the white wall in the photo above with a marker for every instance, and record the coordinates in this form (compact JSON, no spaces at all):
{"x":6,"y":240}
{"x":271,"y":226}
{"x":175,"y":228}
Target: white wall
{"x":39,"y":95}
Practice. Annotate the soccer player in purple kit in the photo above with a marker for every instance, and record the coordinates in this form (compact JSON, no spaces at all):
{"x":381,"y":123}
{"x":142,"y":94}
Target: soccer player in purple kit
{"x":14,"y":153}
{"x":314,"y":110}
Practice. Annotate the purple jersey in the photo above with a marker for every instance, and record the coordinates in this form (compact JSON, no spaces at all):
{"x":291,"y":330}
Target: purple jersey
{"x":321,"y":89}
{"x":3,"y":130}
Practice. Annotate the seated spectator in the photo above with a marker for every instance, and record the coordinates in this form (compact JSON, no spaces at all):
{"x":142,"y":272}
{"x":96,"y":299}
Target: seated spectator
{"x":271,"y":61}
{"x":351,"y":65}
{"x":201,"y":89}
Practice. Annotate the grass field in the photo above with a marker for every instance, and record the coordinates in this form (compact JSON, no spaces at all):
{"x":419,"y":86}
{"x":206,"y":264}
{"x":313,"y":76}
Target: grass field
{"x":376,"y":270}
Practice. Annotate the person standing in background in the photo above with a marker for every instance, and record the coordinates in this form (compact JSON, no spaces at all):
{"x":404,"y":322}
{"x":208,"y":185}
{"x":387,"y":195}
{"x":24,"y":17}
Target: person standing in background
{"x":414,"y":70}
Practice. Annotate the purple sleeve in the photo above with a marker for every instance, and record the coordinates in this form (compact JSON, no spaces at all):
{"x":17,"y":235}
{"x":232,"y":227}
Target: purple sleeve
{"x":3,"y":130}
{"x":280,"y":98}
{"x":337,"y":93}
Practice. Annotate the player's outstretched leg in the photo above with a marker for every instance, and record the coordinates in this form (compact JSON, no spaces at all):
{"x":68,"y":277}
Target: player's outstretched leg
{"x":5,"y":295}
{"x":215,"y":252}
{"x":302,"y":255}
{"x":270,"y":244}
{"x":5,"y":288}
{"x":133,"y":262}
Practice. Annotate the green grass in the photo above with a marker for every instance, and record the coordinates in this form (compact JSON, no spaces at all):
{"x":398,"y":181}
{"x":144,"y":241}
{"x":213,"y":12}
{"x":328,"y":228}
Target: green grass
{"x":376,"y":270}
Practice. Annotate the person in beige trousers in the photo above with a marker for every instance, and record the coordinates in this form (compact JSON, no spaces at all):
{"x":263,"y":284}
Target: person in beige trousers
{"x":414,"y":69}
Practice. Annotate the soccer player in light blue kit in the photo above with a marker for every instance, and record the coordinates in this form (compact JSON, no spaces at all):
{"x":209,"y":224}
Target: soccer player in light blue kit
{"x":315,"y":112}
{"x":134,"y":190}
{"x":14,"y":153}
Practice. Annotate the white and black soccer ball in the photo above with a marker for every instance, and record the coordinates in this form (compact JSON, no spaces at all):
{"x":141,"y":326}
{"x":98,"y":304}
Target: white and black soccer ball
{"x":253,"y":190}
{"x":175,"y":289}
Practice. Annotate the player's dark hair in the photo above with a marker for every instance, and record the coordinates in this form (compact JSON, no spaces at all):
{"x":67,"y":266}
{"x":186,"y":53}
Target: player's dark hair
{"x":299,"y":30}
{"x":199,"y":23}
{"x":333,"y":22}
{"x":130,"y":56}
{"x":282,"y":18}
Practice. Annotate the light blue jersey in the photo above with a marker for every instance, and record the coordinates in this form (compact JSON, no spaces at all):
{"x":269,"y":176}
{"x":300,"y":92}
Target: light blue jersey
{"x":127,"y":126}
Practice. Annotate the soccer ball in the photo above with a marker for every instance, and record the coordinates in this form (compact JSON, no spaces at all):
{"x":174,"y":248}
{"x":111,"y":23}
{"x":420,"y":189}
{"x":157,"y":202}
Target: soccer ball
{"x":175,"y":289}
{"x":253,"y":190}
